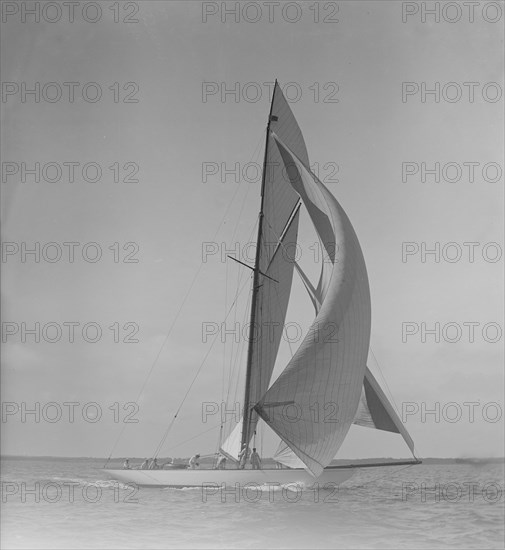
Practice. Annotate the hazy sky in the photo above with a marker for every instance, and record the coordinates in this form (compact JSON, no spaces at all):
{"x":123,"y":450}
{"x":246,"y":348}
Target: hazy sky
{"x":176,"y":66}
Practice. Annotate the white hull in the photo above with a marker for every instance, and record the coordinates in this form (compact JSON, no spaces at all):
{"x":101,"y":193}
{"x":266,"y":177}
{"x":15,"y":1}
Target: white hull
{"x":203,"y":478}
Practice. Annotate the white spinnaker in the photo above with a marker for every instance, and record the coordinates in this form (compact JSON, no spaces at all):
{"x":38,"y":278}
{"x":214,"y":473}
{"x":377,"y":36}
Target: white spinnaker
{"x":374,"y":408}
{"x":374,"y":411}
{"x":286,"y":456}
{"x":313,"y":402}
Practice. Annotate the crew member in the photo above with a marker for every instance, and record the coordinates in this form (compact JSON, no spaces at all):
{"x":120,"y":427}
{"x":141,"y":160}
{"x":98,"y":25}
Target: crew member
{"x":255,"y":460}
{"x":193,"y":464}
{"x":221,"y":463}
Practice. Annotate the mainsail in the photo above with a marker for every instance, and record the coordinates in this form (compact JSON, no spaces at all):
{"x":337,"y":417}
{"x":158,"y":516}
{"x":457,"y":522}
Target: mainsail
{"x":277,"y":237}
{"x":279,"y":197}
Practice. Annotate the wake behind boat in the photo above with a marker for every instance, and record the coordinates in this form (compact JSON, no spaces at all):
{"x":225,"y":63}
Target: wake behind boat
{"x":326,"y":386}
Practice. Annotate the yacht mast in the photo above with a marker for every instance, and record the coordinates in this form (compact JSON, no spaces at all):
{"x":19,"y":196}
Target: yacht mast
{"x":247,"y":401}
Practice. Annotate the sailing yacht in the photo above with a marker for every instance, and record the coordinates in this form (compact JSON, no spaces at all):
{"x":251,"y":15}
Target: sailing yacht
{"x":329,"y":372}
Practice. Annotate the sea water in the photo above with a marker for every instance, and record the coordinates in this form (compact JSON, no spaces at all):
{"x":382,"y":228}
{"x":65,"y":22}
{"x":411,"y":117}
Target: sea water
{"x":70,"y":503}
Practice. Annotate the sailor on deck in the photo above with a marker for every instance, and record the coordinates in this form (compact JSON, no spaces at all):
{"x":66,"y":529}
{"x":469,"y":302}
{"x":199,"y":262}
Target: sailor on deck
{"x":255,"y":460}
{"x":221,"y":463}
{"x":193,"y":464}
{"x":126,"y":464}
{"x":145,"y":464}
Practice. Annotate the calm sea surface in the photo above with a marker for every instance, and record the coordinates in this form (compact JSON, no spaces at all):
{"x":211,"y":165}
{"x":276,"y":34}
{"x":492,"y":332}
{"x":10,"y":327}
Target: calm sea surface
{"x":427,"y":506}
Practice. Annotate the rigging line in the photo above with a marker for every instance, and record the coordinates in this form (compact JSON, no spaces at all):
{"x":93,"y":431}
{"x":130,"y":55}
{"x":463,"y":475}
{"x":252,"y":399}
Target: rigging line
{"x":227,"y":383}
{"x":238,"y":355}
{"x":240,"y":275}
{"x":257,"y":149}
{"x":231,"y":358}
{"x":160,"y":445}
{"x":280,"y":238}
{"x":239,"y":282}
{"x":191,"y":438}
{"x":227,"y":268}
{"x":232,"y":347}
{"x":235,"y":375}
{"x":389,"y":391}
{"x":221,"y":223}
{"x":220,"y":439}
{"x":239,"y":217}
{"x":235,"y":372}
{"x":242,"y":272}
{"x":385,"y":382}
{"x":281,"y":245}
{"x":241,"y":345}
{"x":224,"y":346}
{"x":229,"y":367}
{"x":192,"y":382}
{"x":262,"y":434}
{"x":234,"y":360}
{"x":240,"y":278}
{"x":146,"y":380}
{"x":288,"y":340}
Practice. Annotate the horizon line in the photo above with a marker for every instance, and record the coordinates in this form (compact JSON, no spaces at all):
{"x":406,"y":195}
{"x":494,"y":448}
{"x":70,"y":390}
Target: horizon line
{"x":2,"y":456}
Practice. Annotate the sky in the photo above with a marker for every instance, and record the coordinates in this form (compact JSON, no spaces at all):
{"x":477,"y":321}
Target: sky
{"x":168,"y":117}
